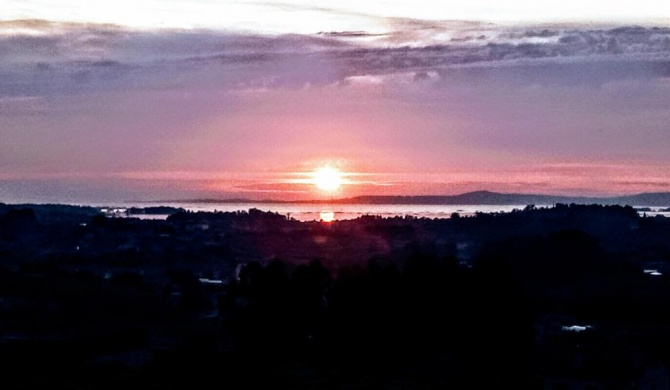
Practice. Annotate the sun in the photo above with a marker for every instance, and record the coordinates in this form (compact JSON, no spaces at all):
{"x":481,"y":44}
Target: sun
{"x":327,"y":179}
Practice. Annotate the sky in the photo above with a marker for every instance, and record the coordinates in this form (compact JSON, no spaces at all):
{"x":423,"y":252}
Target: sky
{"x":164,"y":100}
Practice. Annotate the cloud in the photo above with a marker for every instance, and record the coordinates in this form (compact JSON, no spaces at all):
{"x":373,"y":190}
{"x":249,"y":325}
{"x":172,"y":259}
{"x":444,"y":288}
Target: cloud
{"x":350,"y":34}
{"x":47,"y":58}
{"x":43,"y":58}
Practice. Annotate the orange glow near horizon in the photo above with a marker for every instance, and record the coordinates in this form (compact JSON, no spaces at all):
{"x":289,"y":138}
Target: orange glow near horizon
{"x":334,"y":179}
{"x":323,"y":179}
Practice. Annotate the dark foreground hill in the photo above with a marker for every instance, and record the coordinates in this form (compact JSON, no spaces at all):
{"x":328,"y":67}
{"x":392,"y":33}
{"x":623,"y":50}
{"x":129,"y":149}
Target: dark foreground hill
{"x":536,"y":298}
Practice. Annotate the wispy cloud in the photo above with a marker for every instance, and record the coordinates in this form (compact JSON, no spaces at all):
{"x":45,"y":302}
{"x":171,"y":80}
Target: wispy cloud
{"x":50,"y":58}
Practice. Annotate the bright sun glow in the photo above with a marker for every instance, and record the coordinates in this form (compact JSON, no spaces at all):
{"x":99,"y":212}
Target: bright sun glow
{"x":327,"y":179}
{"x":327,"y":216}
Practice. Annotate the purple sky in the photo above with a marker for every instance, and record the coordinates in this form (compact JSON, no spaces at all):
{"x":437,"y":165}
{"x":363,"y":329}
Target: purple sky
{"x":94,"y":112}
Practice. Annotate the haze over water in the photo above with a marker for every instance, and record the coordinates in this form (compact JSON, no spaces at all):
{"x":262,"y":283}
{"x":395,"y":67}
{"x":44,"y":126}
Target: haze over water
{"x":314,"y":212}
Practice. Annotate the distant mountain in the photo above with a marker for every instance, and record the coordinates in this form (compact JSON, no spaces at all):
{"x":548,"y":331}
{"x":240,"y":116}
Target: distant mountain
{"x":472,"y":198}
{"x":496,"y":198}
{"x":659,"y":199}
{"x":645,"y":199}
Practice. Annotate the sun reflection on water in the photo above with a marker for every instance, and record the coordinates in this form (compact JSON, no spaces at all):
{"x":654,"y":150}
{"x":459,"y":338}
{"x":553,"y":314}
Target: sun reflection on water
{"x":327,"y":215}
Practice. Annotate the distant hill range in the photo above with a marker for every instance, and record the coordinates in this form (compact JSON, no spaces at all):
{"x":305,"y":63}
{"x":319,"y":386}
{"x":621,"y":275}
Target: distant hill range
{"x":656,"y":199}
{"x":496,"y":198}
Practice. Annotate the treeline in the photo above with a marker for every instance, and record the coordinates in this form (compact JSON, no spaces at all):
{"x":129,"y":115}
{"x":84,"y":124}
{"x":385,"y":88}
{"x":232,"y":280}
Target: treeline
{"x":429,"y":315}
{"x":428,"y":319}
